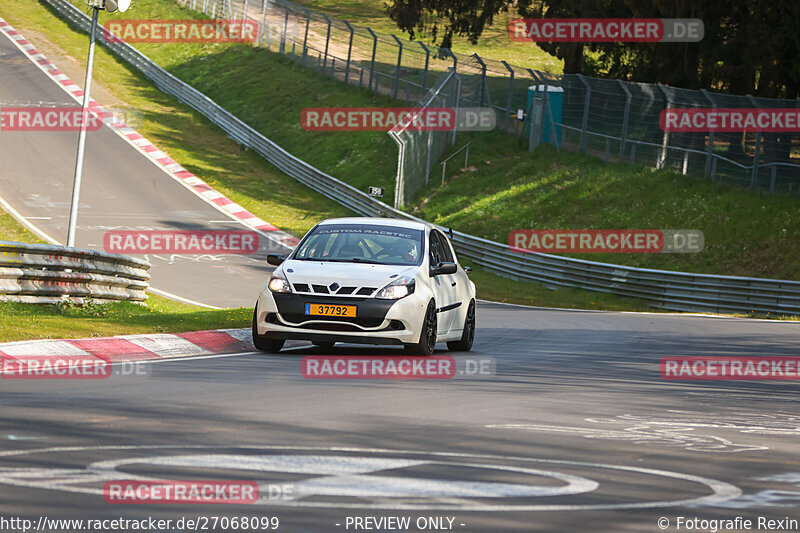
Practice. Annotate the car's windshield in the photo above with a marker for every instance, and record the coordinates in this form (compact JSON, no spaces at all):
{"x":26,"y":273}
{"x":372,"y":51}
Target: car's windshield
{"x":357,"y":243}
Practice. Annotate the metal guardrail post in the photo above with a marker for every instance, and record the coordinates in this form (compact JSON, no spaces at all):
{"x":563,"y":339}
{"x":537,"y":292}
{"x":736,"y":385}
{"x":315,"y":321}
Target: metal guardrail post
{"x":372,"y":61}
{"x":349,"y":53}
{"x":662,"y":156}
{"x":625,"y":118}
{"x":585,"y":121}
{"x":396,"y":80}
{"x":710,"y":147}
{"x":427,"y":63}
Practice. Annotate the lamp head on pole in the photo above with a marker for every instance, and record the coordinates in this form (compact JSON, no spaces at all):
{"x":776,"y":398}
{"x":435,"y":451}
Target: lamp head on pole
{"x":110,"y":5}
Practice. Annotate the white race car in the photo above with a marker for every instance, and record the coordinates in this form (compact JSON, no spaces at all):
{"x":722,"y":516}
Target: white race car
{"x":368,"y":280}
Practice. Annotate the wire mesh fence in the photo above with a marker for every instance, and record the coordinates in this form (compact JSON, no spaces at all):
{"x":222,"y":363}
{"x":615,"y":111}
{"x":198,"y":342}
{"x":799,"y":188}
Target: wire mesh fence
{"x":420,"y":148}
{"x":611,"y":119}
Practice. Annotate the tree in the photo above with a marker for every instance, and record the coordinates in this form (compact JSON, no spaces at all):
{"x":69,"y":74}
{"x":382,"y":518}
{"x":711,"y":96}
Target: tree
{"x":466,"y":18}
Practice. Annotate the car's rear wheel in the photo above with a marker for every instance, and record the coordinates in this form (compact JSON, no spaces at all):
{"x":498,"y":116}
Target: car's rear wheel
{"x":427,"y":335}
{"x":464,"y":344}
{"x":262,"y":343}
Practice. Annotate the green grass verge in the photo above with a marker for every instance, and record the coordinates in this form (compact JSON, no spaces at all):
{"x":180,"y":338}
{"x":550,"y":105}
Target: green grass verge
{"x":11,"y":230}
{"x":746,"y":233}
{"x":66,"y":321}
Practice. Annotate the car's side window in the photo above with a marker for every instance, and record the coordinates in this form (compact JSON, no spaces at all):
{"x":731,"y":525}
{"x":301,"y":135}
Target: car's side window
{"x":434,"y":250}
{"x":446,"y":254}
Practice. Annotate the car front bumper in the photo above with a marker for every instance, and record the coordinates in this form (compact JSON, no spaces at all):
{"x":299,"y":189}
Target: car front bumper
{"x":282,"y":316}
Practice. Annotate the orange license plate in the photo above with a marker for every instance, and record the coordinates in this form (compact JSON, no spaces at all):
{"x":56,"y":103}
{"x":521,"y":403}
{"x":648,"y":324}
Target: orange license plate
{"x":330,"y":310}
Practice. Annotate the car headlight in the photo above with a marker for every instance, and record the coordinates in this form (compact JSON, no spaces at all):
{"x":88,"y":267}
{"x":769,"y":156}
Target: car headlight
{"x":278,"y":282}
{"x":399,"y":288}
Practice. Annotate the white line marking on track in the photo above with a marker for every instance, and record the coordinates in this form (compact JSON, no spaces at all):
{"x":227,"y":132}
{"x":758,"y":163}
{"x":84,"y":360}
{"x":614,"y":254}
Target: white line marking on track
{"x":721,"y":491}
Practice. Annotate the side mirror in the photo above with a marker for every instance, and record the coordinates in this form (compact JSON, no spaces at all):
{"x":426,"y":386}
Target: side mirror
{"x":467,"y":269}
{"x":443,"y":268}
{"x":276,"y":259}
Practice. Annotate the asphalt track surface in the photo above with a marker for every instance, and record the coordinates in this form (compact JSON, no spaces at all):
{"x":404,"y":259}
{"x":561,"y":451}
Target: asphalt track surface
{"x":121,"y":190}
{"x":574,"y":430}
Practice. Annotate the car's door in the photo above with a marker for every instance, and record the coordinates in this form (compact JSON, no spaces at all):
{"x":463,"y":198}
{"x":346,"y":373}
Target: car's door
{"x":445,"y":285}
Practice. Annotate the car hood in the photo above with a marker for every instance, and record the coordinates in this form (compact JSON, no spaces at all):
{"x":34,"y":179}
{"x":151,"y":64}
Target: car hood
{"x":319,"y":277}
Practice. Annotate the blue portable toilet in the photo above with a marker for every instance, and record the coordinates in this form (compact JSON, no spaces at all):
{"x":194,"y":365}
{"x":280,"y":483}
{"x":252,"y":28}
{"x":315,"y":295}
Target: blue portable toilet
{"x":555,"y":99}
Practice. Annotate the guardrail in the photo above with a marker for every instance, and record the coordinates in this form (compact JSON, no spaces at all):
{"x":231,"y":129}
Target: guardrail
{"x":664,"y":289}
{"x":43,"y":273}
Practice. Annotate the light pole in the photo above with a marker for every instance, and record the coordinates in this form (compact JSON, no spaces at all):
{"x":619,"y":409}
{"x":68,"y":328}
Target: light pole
{"x":96,"y":5}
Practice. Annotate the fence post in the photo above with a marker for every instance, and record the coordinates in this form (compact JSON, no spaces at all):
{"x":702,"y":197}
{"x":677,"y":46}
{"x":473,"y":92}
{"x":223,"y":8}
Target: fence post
{"x":305,"y":36}
{"x":710,"y":147}
{"x":327,"y":40}
{"x":263,"y":22}
{"x":428,"y":159}
{"x":772,"y":180}
{"x":625,"y":117}
{"x":662,"y":157}
{"x":285,"y":30}
{"x":425,"y":72}
{"x":244,"y":15}
{"x":372,"y":62}
{"x":509,"y":98}
{"x":349,"y":52}
{"x":531,"y":129}
{"x":757,"y":153}
{"x":396,"y":80}
{"x":585,"y":121}
{"x":458,"y":101}
{"x":483,"y":76}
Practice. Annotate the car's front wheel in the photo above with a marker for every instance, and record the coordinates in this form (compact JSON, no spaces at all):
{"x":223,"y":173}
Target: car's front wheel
{"x":427,"y":335}
{"x":464,"y":344}
{"x":261,"y":342}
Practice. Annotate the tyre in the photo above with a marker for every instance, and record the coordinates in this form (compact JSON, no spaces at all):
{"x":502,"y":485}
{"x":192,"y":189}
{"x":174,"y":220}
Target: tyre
{"x":427,"y":335}
{"x":464,"y":344}
{"x":262,"y":343}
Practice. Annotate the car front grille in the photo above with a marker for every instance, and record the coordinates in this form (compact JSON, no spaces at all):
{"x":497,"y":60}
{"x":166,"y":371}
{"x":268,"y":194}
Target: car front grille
{"x":332,"y":289}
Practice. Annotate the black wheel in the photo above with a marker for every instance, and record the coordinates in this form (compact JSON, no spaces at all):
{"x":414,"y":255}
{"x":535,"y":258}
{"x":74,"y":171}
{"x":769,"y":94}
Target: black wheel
{"x":262,"y":343}
{"x":427,"y":337}
{"x":464,"y":344}
{"x":325,"y":345}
